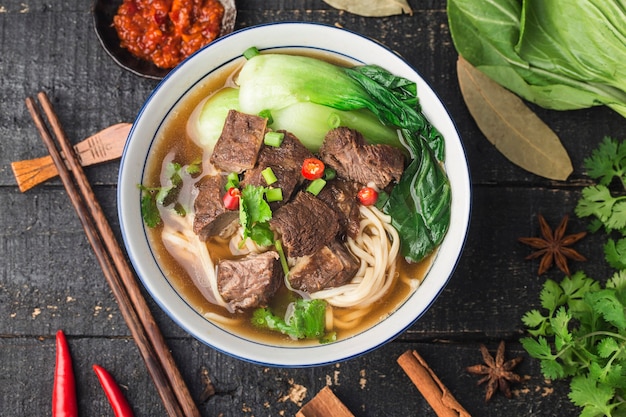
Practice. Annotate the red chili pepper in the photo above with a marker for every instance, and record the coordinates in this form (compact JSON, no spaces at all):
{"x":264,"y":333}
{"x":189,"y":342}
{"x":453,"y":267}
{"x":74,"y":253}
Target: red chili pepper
{"x":312,"y":168}
{"x":64,"y":402}
{"x":231,"y":198}
{"x":367,"y":196}
{"x":116,"y":398}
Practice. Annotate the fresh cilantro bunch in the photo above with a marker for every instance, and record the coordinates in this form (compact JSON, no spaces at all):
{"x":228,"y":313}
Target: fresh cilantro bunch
{"x":581,"y":332}
{"x":605,"y":202}
{"x":583,"y":336}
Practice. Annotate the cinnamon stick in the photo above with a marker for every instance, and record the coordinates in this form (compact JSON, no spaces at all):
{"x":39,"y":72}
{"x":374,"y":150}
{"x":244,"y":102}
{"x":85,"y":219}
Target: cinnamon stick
{"x":429,"y":385}
{"x":324,"y":404}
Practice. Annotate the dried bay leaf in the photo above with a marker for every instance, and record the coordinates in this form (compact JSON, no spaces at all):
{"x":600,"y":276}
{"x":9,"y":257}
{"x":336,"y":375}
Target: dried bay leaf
{"x":511,"y":126}
{"x":372,"y":8}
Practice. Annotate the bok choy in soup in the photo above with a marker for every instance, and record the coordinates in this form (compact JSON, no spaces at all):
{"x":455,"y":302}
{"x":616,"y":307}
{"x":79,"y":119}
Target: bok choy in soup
{"x":297,"y":199}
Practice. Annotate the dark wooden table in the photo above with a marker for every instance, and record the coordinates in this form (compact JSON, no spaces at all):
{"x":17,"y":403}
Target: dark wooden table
{"x":50,"y":278}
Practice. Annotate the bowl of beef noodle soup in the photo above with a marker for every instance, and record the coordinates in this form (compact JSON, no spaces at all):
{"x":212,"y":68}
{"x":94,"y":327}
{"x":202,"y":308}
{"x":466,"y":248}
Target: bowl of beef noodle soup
{"x":294,"y":195}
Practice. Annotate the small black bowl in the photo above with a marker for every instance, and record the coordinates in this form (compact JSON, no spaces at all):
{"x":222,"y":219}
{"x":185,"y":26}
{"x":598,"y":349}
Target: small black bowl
{"x":103,"y":12}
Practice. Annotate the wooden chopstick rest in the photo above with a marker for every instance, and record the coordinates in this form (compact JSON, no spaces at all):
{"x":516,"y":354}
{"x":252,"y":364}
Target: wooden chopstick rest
{"x":106,"y":145}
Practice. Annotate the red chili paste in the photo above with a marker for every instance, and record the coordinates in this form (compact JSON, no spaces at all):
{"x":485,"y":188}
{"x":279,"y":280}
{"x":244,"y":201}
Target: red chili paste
{"x":167,"y":31}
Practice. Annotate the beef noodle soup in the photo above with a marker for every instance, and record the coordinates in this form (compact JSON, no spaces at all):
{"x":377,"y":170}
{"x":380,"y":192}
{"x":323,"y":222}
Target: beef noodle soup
{"x":337,"y":249}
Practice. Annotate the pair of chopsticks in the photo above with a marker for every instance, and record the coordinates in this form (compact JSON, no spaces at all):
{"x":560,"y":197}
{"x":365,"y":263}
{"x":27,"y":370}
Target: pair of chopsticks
{"x":152,"y":346}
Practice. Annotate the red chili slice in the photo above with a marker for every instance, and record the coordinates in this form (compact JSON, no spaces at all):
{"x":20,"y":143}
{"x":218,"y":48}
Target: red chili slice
{"x":367,"y":196}
{"x":312,"y":168}
{"x":231,"y":198}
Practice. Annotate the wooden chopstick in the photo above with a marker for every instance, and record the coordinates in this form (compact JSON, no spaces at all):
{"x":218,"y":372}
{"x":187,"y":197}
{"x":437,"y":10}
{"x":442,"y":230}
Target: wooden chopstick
{"x":152,"y":346}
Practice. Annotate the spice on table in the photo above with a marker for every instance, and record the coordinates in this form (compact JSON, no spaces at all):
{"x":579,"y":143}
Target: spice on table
{"x":114,"y":394}
{"x":324,"y":404}
{"x":498,"y":373}
{"x":440,"y":399}
{"x":554,"y":246}
{"x":64,"y":402}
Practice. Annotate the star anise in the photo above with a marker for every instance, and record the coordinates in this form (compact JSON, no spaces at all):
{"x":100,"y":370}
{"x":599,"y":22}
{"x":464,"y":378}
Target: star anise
{"x":553,"y":246}
{"x":498,"y":373}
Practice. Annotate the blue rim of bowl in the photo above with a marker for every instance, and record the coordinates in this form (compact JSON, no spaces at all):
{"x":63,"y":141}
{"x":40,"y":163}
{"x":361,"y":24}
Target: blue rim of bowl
{"x":184,"y":323}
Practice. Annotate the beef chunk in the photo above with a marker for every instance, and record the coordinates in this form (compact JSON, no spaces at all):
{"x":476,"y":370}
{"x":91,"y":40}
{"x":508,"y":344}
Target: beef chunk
{"x":211,"y":217}
{"x":346,"y":151}
{"x":250,"y":281}
{"x":286,"y":163}
{"x":238,"y":146}
{"x":331,"y":266}
{"x":341,"y":196}
{"x":305,"y":224}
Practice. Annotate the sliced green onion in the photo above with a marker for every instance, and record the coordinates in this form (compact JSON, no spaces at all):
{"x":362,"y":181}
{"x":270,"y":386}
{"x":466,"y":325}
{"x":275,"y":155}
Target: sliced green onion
{"x":267,"y":113}
{"x":281,"y":255}
{"x":334,"y":120}
{"x":329,"y":174}
{"x":251,"y":52}
{"x":274,"y":194}
{"x":274,"y":139}
{"x":232,"y":181}
{"x":316,"y":186}
{"x":269,"y":176}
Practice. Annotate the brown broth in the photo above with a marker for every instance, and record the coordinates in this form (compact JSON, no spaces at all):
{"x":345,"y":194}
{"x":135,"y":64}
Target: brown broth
{"x":174,"y":139}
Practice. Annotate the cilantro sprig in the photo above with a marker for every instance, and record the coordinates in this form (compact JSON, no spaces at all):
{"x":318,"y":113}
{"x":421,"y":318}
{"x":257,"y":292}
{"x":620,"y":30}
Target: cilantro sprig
{"x":580,"y":333}
{"x":606,"y":205}
{"x":167,"y":194}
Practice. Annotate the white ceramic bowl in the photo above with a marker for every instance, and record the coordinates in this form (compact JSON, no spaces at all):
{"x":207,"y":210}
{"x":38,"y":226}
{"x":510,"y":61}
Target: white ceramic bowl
{"x":316,"y":37}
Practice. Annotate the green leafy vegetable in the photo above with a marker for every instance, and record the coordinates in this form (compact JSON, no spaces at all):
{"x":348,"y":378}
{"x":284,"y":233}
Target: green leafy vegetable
{"x":583,"y":336}
{"x":607,"y":208}
{"x":420,"y":204}
{"x":166,"y":195}
{"x":210,"y":121}
{"x":306,"y":320}
{"x":254,"y":215}
{"x":561,"y":55}
{"x":581,"y":332}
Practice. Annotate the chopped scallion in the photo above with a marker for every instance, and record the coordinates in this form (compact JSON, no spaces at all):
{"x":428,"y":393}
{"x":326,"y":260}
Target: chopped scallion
{"x":274,"y":194}
{"x":274,"y":139}
{"x":267,"y":113}
{"x":316,"y":186}
{"x":269,"y":176}
{"x":251,"y":52}
{"x":329,"y":174}
{"x":334,"y":120}
{"x":232,"y":181}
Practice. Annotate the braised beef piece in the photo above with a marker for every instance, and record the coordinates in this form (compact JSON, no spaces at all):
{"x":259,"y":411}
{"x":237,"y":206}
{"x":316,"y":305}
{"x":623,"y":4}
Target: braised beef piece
{"x":238,"y":146}
{"x":250,"y":281}
{"x":306,"y":224}
{"x":331,"y":266}
{"x":346,"y":151}
{"x":341,"y":196}
{"x":286,"y":163}
{"x":211,"y":217}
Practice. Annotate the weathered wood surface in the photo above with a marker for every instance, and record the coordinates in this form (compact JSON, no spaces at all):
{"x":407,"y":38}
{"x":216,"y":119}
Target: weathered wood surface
{"x":49,"y":278}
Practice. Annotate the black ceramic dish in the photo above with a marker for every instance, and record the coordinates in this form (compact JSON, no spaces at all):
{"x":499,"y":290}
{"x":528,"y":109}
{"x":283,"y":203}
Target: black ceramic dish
{"x":103,"y":12}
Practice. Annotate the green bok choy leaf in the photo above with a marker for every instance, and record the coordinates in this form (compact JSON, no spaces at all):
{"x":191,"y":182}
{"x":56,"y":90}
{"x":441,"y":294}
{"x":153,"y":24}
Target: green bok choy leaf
{"x":560,"y":54}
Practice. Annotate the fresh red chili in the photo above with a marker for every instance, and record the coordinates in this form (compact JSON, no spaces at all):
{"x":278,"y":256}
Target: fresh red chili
{"x":116,"y":397}
{"x":231,"y":198}
{"x":367,"y":196}
{"x":64,"y":402}
{"x":312,"y":168}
